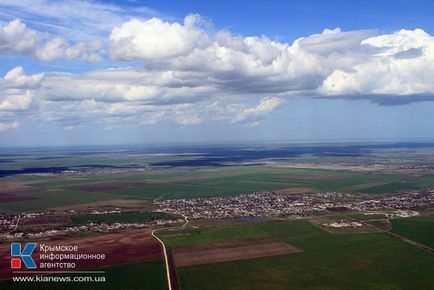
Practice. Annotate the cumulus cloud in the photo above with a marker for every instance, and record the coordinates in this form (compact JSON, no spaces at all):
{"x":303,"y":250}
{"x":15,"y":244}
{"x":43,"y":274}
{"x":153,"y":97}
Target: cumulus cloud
{"x":399,"y":64}
{"x":16,"y":78}
{"x":189,"y":73}
{"x":17,"y":89}
{"x":265,"y":106}
{"x":16,"y":37}
{"x":403,"y":40}
{"x":59,"y":48}
{"x":16,"y":102}
{"x":332,"y":63}
{"x":155,"y":39}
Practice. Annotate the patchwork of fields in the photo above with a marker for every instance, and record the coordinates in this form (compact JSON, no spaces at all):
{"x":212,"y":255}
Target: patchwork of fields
{"x":327,"y":261}
{"x":56,"y":191}
{"x":228,"y":254}
{"x":118,"y":248}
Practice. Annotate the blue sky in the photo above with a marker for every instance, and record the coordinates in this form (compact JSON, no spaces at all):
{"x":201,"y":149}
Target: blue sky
{"x":115,"y":72}
{"x":296,"y":18}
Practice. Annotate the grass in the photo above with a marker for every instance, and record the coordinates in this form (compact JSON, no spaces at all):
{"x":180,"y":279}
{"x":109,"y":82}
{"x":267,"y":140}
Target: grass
{"x":55,"y":198}
{"x":139,"y":276}
{"x":390,"y":187}
{"x":175,"y":190}
{"x":189,"y":183}
{"x":122,"y":217}
{"x":418,"y":229}
{"x":98,"y":159}
{"x":359,"y":261}
{"x":230,"y":181}
{"x":227,"y":181}
{"x":215,"y":234}
{"x":381,"y":224}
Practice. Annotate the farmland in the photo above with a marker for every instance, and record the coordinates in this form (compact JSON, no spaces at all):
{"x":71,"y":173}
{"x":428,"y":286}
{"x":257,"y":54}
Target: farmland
{"x":231,"y":218}
{"x":119,"y":248}
{"x":136,"y":276}
{"x":353,"y":261}
{"x":55,"y":191}
{"x":419,"y":229}
{"x":121,"y":217}
{"x":216,"y":234}
{"x":219,"y":252}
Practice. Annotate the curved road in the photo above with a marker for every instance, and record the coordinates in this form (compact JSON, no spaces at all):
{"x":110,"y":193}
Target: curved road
{"x":166,"y":259}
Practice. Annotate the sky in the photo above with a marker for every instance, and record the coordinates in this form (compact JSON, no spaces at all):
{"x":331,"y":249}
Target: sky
{"x":122,"y":72}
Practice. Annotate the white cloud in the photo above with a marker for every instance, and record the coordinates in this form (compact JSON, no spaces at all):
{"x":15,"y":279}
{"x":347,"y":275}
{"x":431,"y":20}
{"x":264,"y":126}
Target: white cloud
{"x":16,"y":78}
{"x":16,"y":37}
{"x":17,"y":89}
{"x":184,"y":118}
{"x":155,"y":39}
{"x":332,"y":41}
{"x":7,"y":126}
{"x":77,"y":20}
{"x":121,"y":85}
{"x":151,"y":119}
{"x":189,"y":74}
{"x":332,"y":63}
{"x":265,"y":106}
{"x":390,"y":44}
{"x":59,"y":48}
{"x":398,"y":64}
{"x":16,"y":102}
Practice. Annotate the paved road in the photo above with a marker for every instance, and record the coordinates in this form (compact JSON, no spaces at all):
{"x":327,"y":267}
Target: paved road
{"x":170,"y":279}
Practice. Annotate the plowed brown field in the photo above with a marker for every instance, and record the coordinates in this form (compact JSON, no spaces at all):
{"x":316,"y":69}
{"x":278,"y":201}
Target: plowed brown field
{"x":119,"y":248}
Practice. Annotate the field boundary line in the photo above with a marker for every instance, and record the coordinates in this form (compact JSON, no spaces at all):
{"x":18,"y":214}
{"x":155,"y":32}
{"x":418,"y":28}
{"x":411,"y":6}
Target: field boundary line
{"x":404,"y":239}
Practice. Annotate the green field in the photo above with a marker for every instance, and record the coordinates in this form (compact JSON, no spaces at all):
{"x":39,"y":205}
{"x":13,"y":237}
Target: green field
{"x":390,"y":187}
{"x":55,"y":198}
{"x":328,"y":261}
{"x":140,"y":276}
{"x":55,"y":191}
{"x":86,"y":159}
{"x":418,"y":229}
{"x":181,"y":183}
{"x":216,"y":234}
{"x":381,"y":224}
{"x":122,"y":217}
{"x":347,"y":260}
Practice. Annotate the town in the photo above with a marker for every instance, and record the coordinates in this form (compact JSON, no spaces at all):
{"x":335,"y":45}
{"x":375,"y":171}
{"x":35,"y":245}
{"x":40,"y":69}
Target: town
{"x":9,"y":225}
{"x":271,"y":204}
{"x":266,"y":204}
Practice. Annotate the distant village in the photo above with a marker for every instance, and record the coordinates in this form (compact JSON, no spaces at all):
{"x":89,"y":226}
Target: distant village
{"x":264,"y":204}
{"x":271,"y":204}
{"x":101,"y":171}
{"x":9,"y":226}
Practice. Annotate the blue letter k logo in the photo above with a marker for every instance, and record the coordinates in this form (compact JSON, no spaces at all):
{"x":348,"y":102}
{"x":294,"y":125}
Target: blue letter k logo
{"x":25,"y":254}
